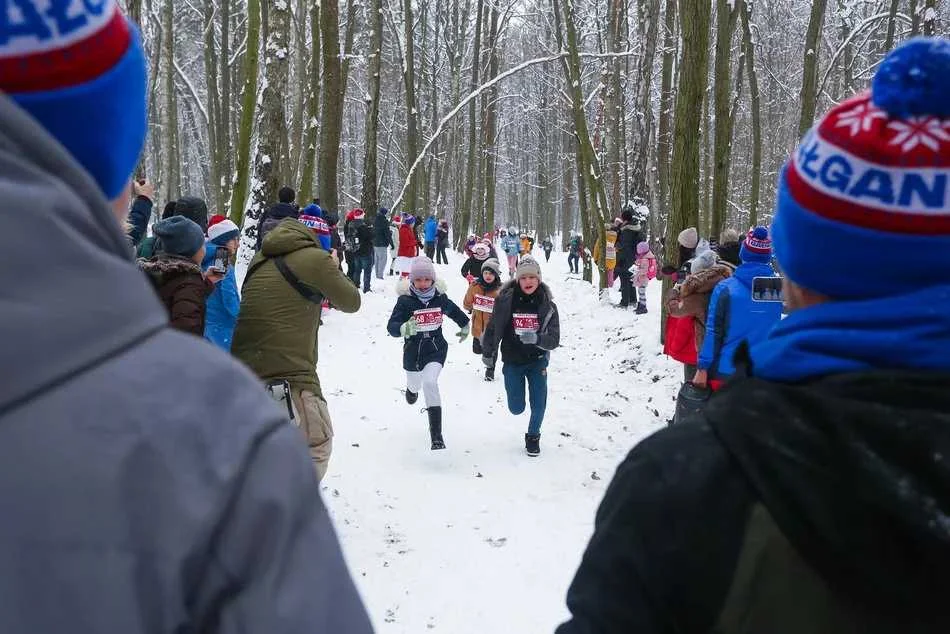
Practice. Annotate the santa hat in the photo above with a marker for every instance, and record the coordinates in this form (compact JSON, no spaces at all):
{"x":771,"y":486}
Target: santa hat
{"x":223,"y":232}
{"x":215,"y":219}
{"x":757,"y":246}
{"x":873,"y":177}
{"x":80,"y":71}
{"x":358,"y":214}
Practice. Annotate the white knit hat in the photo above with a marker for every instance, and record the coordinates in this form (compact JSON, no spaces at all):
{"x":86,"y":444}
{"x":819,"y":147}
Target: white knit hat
{"x":422,"y":267}
{"x":223,"y":232}
{"x":688,"y":238}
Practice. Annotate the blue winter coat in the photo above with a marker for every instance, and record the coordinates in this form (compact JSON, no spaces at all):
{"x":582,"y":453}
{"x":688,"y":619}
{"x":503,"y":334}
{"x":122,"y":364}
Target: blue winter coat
{"x":431,"y":229}
{"x":511,"y":245}
{"x":222,"y":306}
{"x":733,"y":317}
{"x":424,"y":348}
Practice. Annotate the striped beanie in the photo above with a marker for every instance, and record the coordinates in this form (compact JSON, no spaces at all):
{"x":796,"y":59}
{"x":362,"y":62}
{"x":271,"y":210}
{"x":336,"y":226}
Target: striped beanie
{"x":870,"y":180}
{"x":757,"y":247}
{"x":77,"y":66}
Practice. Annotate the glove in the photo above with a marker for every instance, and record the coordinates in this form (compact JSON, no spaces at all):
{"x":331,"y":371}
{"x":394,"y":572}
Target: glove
{"x":529,"y":338}
{"x":470,"y":278}
{"x":463,"y":334}
{"x":409,"y":329}
{"x":488,"y":361}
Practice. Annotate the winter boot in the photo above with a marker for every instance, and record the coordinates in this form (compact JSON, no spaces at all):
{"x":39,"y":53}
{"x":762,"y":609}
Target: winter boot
{"x":642,"y":309}
{"x":411,"y":397}
{"x":489,"y":374}
{"x":532,"y":444}
{"x":435,"y":428}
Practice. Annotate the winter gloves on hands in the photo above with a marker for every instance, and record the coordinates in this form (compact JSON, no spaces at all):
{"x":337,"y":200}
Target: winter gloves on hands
{"x":463,"y":334}
{"x":529,"y":338}
{"x":409,"y":329}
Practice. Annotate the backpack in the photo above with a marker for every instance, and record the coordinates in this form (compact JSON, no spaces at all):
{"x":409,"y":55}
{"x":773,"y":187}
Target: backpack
{"x":651,"y":269}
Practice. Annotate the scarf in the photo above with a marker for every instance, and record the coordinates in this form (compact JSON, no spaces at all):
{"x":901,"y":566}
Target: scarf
{"x":423,"y":296}
{"x":908,"y":332}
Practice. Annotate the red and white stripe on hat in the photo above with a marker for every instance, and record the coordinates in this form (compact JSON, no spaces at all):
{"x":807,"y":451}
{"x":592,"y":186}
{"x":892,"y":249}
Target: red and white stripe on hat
{"x":51,"y":44}
{"x":861,"y":167}
{"x":758,"y":241}
{"x":316,"y":224}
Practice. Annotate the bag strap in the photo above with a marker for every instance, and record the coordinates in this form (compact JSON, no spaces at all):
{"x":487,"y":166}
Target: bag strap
{"x":305,"y":291}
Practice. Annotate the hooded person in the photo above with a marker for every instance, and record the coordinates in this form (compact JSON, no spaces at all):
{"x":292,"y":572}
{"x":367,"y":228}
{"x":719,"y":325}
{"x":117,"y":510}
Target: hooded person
{"x":472,"y":267}
{"x":526,"y":326}
{"x":278,"y":326}
{"x":224,"y":303}
{"x":148,"y":471}
{"x":442,"y":243}
{"x":194,"y":209}
{"x":417,"y":317}
{"x":274,"y":215}
{"x":630,"y":235}
{"x":480,"y":302}
{"x":811,"y":493}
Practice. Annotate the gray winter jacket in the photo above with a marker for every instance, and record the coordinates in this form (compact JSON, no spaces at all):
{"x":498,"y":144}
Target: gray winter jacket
{"x":147,"y":483}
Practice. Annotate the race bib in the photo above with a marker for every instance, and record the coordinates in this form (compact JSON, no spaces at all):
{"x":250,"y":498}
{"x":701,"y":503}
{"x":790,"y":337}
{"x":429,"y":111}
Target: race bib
{"x":611,"y":252}
{"x":525,"y":323}
{"x":428,"y":319}
{"x":484,"y":304}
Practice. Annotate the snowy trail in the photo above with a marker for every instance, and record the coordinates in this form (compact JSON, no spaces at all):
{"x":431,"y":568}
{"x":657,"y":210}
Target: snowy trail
{"x":479,"y":537}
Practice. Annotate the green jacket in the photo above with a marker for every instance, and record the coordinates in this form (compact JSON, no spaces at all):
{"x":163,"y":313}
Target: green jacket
{"x":276,"y":332}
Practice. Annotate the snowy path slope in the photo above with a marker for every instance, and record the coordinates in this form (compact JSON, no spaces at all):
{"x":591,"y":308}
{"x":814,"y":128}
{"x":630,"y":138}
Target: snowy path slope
{"x":481,"y":538}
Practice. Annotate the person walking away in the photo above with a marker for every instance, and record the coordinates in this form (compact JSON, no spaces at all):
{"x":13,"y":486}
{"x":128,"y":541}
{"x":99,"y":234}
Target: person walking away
{"x":273,"y":216}
{"x":417,"y":318}
{"x":224,"y":303}
{"x":574,"y":250}
{"x":312,"y":217}
{"x":382,"y":241}
{"x":408,"y":247}
{"x":431,"y":234}
{"x":442,"y":243}
{"x":525,"y":324}
{"x":680,"y":335}
{"x":630,"y":235}
{"x":394,"y":232}
{"x":646,"y":271}
{"x":548,"y":247}
{"x":733,"y":316}
{"x":480,"y":303}
{"x":147,"y":470}
{"x":473,"y":266}
{"x":278,"y":327}
{"x":175,"y":273}
{"x":818,"y":477}
{"x":364,"y":250}
{"x":511,"y":246}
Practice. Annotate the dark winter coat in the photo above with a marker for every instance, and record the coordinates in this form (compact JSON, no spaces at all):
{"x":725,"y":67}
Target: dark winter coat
{"x":182,"y":289}
{"x":473,"y":267}
{"x":277,"y":327}
{"x":139,"y":216}
{"x":382,"y":235}
{"x":147,"y":471}
{"x":816,"y":507}
{"x":442,"y":238}
{"x":630,"y":235}
{"x":501,"y":328}
{"x":423,"y":348}
{"x":273,"y":217}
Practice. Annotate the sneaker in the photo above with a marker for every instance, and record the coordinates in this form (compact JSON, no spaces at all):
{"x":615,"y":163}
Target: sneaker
{"x":489,"y":374}
{"x":532,"y":444}
{"x":411,"y":397}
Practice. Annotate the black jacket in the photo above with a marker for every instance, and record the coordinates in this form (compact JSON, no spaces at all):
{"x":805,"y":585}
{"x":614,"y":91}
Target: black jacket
{"x":364,"y":240}
{"x":473,"y":267}
{"x":820,"y":507}
{"x":382,"y":235}
{"x":138,"y":220}
{"x":501,"y":330}
{"x":424,"y":347}
{"x":629,"y":237}
{"x":272,"y":217}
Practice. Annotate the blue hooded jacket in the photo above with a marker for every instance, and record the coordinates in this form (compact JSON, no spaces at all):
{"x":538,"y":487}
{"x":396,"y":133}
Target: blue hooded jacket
{"x":733,"y":317}
{"x":222,"y":306}
{"x":431,"y":229}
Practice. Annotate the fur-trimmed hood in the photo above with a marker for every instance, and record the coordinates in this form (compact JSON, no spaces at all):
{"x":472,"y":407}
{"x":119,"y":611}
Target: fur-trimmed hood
{"x":164,"y":267}
{"x":402,"y":288}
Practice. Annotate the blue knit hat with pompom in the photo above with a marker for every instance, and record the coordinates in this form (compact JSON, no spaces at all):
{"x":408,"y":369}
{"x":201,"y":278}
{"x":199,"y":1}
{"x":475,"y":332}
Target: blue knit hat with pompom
{"x":871,"y":180}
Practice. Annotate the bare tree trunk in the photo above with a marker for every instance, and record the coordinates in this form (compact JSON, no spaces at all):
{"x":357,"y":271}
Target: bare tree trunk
{"x":311,"y":127}
{"x":613,"y":115}
{"x":172,"y":171}
{"x":412,"y":107}
{"x":332,"y":119}
{"x":930,"y":18}
{"x":664,"y":140}
{"x":649,"y":14}
{"x":239,"y":193}
{"x":370,"y":198}
{"x":726,"y":15}
{"x":749,"y":48}
{"x":491,"y":121}
{"x":809,"y":91}
{"x":466,"y":219}
{"x":215,"y":147}
{"x":225,"y":139}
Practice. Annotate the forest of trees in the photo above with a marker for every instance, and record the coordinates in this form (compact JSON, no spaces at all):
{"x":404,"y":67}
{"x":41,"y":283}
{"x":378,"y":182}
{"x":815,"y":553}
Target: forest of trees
{"x":543,"y":114}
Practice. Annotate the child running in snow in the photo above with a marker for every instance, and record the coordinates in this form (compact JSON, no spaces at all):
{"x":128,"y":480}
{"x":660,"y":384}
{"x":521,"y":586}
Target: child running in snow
{"x":644,"y":271}
{"x":511,"y":245}
{"x":417,"y":318}
{"x":473,"y":266}
{"x":480,"y":303}
{"x":525,"y":323}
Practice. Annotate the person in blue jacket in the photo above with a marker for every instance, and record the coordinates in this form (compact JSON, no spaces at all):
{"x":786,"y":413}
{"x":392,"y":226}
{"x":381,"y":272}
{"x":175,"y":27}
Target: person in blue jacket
{"x":312,"y":217}
{"x":224,"y":303}
{"x":511,"y":246}
{"x":431,"y":234}
{"x":417,"y":318}
{"x":733,"y":316}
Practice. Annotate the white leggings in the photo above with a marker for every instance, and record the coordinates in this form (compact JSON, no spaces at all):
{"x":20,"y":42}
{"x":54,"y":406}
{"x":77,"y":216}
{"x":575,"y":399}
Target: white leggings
{"x":428,"y":380}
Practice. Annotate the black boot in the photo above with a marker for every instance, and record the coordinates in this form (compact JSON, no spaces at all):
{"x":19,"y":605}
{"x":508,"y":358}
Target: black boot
{"x":411,"y":397}
{"x":489,"y":374}
{"x":642,"y":309}
{"x":532,"y":444}
{"x":435,"y":428}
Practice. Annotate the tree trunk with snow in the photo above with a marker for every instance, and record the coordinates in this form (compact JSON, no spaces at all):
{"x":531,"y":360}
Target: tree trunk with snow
{"x":308,"y":150}
{"x":246,"y":127}
{"x":809,"y":92}
{"x":370,"y":197}
{"x":726,"y":15}
{"x":332,"y":120}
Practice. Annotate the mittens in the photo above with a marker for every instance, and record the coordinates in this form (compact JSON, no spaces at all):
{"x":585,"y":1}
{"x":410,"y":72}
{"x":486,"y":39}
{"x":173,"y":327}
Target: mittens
{"x":463,"y":334}
{"x":409,"y":329}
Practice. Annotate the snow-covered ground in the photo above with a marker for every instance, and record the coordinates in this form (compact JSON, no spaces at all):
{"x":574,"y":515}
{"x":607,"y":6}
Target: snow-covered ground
{"x":479,"y":537}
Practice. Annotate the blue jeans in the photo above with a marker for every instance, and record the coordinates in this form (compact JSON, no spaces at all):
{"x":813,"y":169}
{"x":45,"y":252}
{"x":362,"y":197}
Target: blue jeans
{"x":362,"y":264}
{"x":536,"y":375}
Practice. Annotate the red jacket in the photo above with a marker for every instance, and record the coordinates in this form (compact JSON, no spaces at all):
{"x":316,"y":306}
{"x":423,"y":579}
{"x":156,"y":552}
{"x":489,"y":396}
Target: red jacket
{"x":408,"y":246}
{"x":680,"y":340}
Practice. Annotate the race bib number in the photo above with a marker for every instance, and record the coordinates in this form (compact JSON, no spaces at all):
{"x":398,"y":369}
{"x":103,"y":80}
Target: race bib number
{"x":525,"y":323}
{"x":428,"y":319}
{"x":484,"y":304}
{"x":611,"y":252}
